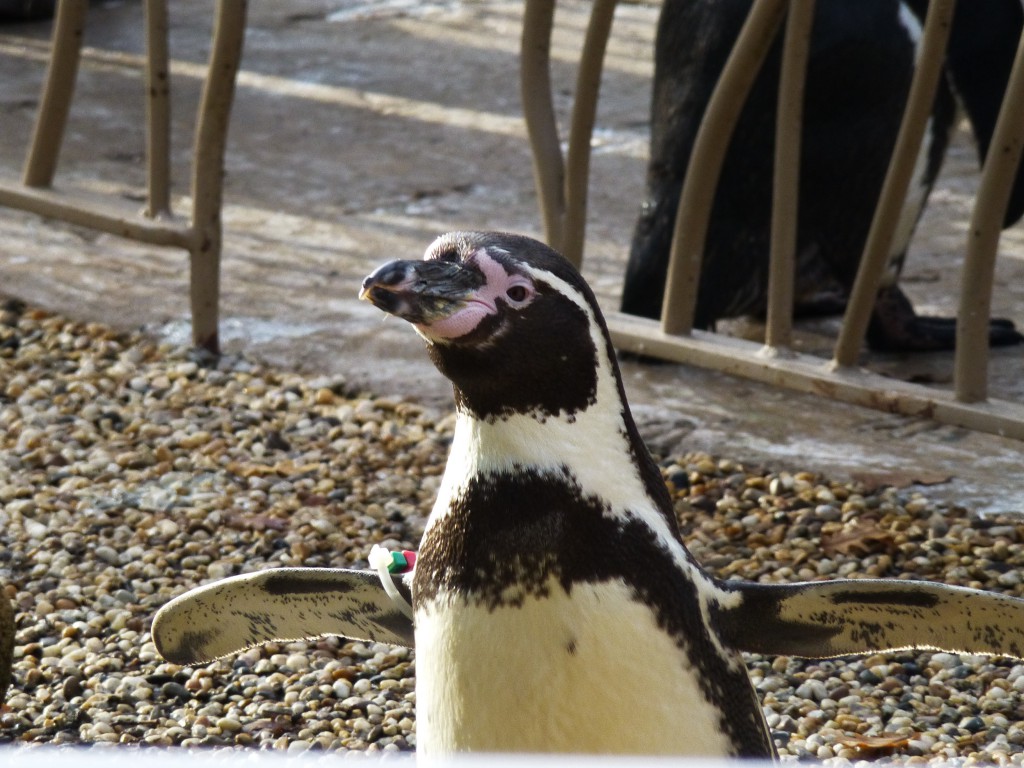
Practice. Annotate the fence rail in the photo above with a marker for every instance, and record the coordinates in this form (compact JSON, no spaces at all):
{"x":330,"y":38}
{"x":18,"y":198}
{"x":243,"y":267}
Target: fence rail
{"x":200,"y":231}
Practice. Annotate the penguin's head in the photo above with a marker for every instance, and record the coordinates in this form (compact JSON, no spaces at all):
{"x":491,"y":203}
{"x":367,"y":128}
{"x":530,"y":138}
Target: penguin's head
{"x":508,"y":320}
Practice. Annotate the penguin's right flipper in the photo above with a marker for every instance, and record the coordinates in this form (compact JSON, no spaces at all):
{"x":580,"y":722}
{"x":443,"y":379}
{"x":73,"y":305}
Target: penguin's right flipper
{"x":858,"y":616}
{"x":280,"y":604}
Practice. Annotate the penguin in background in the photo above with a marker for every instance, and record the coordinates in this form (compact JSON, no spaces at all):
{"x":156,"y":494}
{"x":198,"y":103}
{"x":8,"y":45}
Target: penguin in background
{"x":861,"y":63}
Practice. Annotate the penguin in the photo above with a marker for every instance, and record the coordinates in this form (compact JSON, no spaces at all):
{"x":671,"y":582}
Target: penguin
{"x":861,"y":62}
{"x":553,"y":537}
{"x":555,"y":607}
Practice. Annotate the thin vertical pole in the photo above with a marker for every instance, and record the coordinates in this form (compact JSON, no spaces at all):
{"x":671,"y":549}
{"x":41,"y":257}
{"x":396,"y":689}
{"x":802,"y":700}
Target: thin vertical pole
{"x":41,"y":161}
{"x":997,"y":177}
{"x":786,"y":179}
{"x":539,"y":113}
{"x":878,"y":246}
{"x":709,"y":149}
{"x":158,"y":110}
{"x":588,"y":84}
{"x":208,"y":170}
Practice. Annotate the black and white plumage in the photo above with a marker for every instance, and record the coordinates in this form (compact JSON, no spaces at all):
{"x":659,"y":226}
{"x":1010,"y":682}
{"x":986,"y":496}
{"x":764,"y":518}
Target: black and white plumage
{"x":552,"y":549}
{"x":861,"y":61}
{"x":551,"y":571}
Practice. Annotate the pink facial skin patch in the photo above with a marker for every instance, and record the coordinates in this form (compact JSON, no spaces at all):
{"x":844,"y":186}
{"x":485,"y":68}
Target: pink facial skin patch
{"x":514,"y":290}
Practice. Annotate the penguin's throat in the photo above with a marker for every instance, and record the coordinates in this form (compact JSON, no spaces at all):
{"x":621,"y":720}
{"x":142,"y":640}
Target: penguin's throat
{"x":581,"y":446}
{"x":591,"y":455}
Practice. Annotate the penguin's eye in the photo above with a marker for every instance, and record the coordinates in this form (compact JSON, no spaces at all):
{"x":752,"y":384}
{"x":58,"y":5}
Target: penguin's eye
{"x":517,"y":293}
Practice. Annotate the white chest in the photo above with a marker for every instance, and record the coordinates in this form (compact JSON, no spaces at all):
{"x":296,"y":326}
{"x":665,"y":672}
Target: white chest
{"x":586,"y":672}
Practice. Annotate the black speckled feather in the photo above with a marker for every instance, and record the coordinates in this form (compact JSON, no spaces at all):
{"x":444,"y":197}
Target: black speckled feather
{"x":232,"y":614}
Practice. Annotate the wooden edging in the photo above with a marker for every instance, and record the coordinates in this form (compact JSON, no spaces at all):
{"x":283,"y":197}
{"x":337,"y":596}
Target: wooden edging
{"x":807,"y":373}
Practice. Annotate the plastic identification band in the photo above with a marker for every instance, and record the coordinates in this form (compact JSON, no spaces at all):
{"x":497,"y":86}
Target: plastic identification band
{"x":386,"y":563}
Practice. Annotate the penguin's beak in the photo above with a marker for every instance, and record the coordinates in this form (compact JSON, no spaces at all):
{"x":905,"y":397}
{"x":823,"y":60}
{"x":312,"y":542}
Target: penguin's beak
{"x":421,"y":292}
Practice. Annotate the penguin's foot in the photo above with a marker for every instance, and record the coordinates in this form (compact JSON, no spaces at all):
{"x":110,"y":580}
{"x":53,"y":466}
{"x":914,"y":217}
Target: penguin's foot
{"x":823,"y":304}
{"x":626,"y":356}
{"x":896,"y":327}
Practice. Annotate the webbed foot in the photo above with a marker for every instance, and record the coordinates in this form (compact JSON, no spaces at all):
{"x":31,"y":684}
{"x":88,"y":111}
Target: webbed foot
{"x":896,"y":327}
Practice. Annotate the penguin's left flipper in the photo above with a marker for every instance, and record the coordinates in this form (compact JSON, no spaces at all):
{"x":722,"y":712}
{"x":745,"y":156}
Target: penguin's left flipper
{"x":896,"y":327}
{"x":857,"y":616}
{"x":279,"y":604}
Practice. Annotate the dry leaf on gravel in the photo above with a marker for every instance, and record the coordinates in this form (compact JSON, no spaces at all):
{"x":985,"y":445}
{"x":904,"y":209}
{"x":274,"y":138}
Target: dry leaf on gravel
{"x":874,"y":746}
{"x":863,"y":539}
{"x":872,"y":481}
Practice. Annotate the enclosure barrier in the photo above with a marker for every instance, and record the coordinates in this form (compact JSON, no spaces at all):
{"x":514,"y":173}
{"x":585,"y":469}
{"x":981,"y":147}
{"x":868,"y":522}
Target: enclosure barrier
{"x":562,"y":184}
{"x":200,"y":233}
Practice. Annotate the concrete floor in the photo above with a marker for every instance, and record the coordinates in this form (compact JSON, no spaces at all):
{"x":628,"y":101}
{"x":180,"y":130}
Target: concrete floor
{"x":361,"y":130}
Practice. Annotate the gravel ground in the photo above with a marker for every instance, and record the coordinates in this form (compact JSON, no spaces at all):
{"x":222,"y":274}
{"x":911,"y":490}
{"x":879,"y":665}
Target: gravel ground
{"x":132,"y":471}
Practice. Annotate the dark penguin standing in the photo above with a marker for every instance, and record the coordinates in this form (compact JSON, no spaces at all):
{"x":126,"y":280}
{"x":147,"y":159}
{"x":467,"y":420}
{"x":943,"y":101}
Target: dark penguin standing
{"x":556,"y":608}
{"x":861,"y":64}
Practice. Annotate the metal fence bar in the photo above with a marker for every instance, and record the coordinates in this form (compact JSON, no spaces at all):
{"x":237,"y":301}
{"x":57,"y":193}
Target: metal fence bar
{"x":539,"y":114}
{"x":111,"y":216}
{"x":588,"y":83}
{"x":786,"y":179}
{"x":708,"y":154}
{"x":201,"y":236}
{"x":158,"y":110}
{"x":208,"y":170}
{"x":897,"y":180}
{"x":59,"y":87}
{"x":997,"y":177}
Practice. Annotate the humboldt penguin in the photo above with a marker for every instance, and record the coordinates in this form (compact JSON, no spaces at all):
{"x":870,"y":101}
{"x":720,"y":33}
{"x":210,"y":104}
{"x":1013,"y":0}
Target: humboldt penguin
{"x":861,"y":62}
{"x":555,"y":606}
